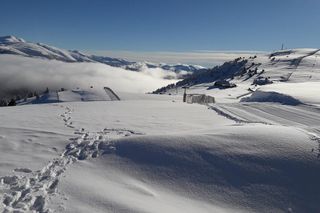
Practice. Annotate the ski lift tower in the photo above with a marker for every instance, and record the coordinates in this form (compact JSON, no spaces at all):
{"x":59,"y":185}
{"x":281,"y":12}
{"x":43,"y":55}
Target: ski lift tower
{"x":185,"y":93}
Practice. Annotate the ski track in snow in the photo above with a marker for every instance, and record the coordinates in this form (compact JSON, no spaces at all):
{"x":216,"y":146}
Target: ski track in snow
{"x":304,"y":118}
{"x":225,"y":113}
{"x":32,"y":191}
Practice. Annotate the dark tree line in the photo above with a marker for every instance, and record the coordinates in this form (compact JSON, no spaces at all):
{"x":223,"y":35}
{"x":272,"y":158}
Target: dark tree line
{"x":11,"y":99}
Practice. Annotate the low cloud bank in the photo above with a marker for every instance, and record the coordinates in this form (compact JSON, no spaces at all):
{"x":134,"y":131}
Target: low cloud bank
{"x":36,"y":74}
{"x":204,"y":58}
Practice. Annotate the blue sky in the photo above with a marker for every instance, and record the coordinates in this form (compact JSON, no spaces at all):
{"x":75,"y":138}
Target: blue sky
{"x":164,"y":25}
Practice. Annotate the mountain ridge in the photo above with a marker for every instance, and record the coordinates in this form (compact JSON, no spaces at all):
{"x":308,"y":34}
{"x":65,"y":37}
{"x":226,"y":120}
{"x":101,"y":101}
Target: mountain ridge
{"x":18,"y":46}
{"x":256,"y":71}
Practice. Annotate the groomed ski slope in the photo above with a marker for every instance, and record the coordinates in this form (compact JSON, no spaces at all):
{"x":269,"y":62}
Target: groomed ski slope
{"x":150,"y":153}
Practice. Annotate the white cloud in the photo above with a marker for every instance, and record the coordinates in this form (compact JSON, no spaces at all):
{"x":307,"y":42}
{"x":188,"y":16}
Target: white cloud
{"x":203,"y":57}
{"x":37,"y":74}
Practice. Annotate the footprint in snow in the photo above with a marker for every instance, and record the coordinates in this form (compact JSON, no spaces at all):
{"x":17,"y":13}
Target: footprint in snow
{"x":24,"y":170}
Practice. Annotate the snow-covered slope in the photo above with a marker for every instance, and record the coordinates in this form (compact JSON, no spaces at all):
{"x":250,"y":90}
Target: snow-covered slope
{"x":157,"y":154}
{"x":17,"y":46}
{"x":13,"y":45}
{"x":74,"y":95}
{"x":288,"y":69}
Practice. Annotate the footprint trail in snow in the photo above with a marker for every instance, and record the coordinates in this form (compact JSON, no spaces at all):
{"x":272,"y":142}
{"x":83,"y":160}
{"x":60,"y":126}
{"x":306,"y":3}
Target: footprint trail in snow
{"x":31,"y":191}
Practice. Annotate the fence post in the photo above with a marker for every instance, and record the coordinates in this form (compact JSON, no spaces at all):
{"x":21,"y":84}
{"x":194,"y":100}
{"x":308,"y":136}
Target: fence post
{"x":185,"y":94}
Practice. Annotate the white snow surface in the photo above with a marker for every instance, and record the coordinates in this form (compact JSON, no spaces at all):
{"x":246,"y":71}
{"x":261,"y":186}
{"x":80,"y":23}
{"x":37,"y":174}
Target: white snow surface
{"x":153,"y":153}
{"x":306,"y":92}
{"x":156,"y":154}
{"x":83,"y":95}
{"x":261,"y":96}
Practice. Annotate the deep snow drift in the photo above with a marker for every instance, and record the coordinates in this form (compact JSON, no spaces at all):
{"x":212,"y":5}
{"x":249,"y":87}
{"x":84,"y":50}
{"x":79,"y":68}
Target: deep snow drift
{"x":260,"y":96}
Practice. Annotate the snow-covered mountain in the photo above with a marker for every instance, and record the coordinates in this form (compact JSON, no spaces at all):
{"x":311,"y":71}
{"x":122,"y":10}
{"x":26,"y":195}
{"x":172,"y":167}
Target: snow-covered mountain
{"x":243,"y":76}
{"x":18,"y":46}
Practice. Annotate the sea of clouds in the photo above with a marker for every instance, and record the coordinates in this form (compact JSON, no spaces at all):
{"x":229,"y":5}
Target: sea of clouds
{"x":18,"y":72}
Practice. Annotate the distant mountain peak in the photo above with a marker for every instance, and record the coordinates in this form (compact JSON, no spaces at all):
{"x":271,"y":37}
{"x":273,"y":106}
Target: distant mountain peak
{"x":17,"y":46}
{"x":9,"y":39}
